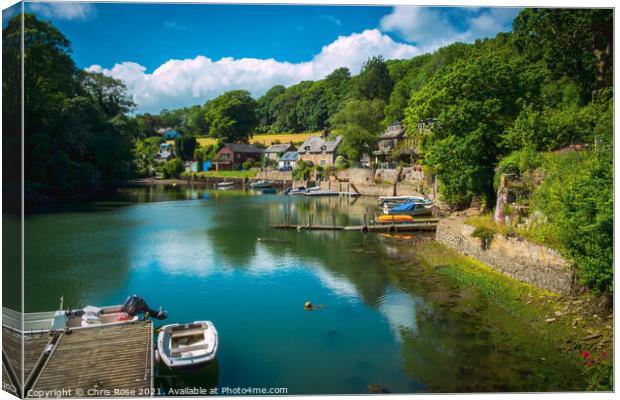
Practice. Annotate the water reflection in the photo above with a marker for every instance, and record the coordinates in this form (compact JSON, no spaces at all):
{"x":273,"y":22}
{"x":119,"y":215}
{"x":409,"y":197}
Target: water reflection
{"x":214,"y":256}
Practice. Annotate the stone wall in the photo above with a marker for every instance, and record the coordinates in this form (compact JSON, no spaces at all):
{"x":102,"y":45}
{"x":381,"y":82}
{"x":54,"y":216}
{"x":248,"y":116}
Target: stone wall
{"x":274,"y":175}
{"x":518,"y":258}
{"x":356,"y":175}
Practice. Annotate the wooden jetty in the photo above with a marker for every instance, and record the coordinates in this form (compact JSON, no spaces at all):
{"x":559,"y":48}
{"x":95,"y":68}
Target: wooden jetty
{"x":115,"y":360}
{"x":421,"y":224}
{"x":110,"y":360}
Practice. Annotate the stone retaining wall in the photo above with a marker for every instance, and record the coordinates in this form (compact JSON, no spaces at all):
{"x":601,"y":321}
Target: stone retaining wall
{"x":275,"y":175}
{"x":518,"y":258}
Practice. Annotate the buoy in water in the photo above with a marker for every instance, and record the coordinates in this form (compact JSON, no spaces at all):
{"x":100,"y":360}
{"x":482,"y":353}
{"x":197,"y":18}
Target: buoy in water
{"x":308,"y":305}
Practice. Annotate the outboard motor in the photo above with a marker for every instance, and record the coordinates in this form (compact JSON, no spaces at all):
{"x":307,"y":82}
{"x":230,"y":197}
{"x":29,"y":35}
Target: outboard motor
{"x":135,"y":305}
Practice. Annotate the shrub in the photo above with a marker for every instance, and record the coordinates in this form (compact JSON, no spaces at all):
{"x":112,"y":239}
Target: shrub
{"x":518,"y":162}
{"x":302,"y":170}
{"x":485,"y":235}
{"x":577,"y":198}
{"x":247,"y":164}
{"x":341,"y":162}
{"x":172,"y":168}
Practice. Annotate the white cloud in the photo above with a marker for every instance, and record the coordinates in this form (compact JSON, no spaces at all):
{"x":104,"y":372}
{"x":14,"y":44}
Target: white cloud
{"x":431,"y":28}
{"x":68,"y":11}
{"x":179,"y":83}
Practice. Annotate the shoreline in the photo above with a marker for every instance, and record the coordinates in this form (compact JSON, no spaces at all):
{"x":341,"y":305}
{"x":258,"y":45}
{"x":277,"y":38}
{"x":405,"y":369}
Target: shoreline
{"x":579,"y":326}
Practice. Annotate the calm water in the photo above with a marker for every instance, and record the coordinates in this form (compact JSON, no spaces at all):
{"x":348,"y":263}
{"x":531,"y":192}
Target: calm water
{"x":212,"y":255}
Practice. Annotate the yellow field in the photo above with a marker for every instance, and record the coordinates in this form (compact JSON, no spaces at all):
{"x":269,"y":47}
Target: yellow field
{"x":266,"y":139}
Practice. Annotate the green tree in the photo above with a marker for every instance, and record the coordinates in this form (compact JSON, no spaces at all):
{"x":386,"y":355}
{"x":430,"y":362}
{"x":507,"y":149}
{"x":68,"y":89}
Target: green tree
{"x":471,"y":104}
{"x":374,"y":81}
{"x":359,"y":123}
{"x":572,"y":42}
{"x":185,"y":147}
{"x":144,"y":154}
{"x":264,"y":113}
{"x":231,"y":116}
{"x":75,"y":132}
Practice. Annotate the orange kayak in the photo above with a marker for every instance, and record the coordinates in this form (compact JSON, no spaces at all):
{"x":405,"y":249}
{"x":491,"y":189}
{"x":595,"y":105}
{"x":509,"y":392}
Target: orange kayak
{"x":388,"y":219}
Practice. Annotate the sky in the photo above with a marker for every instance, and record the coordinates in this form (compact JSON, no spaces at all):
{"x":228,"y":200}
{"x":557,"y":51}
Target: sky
{"x":177,"y":55}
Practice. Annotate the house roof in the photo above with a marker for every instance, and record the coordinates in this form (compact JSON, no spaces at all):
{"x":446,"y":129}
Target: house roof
{"x":317,"y":144}
{"x":393,"y":131}
{"x":279,"y":148}
{"x":289,"y":156}
{"x":242,"y":148}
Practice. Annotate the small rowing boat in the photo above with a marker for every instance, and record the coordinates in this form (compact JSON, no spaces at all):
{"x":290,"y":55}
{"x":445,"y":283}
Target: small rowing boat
{"x":184,"y":346}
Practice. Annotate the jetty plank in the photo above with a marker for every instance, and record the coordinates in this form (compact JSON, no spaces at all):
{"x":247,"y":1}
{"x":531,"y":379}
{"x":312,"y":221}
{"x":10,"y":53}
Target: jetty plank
{"x":12,"y":347}
{"x":429,"y":224}
{"x":113,"y":360}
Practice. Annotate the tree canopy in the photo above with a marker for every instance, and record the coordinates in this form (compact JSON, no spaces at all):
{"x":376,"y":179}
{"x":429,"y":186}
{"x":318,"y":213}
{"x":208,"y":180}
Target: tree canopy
{"x":231,"y":117}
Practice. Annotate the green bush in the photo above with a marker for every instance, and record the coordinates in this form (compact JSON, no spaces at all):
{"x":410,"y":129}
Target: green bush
{"x":172,"y":168}
{"x":302,"y":170}
{"x":485,"y":235}
{"x":341,"y":162}
{"x":577,"y":198}
{"x":247,"y":164}
{"x":518,"y":162}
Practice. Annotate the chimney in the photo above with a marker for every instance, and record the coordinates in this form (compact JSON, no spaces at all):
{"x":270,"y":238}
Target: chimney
{"x":325,"y":133}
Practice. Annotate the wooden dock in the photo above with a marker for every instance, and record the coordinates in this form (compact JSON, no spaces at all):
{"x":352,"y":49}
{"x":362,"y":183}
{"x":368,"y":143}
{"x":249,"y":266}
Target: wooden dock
{"x":114,"y":360}
{"x":422,"y":224}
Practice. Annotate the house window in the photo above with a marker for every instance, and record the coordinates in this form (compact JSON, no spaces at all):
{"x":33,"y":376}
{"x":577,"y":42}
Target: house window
{"x":322,"y":163}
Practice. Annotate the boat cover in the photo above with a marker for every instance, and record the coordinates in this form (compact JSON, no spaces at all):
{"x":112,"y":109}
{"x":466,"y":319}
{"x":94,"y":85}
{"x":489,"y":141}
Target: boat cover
{"x":408,"y":206}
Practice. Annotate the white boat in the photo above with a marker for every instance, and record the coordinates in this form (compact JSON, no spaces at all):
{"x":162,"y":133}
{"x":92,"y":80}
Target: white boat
{"x":408,"y":208}
{"x":225,"y":184}
{"x":301,"y":190}
{"x":403,"y":199}
{"x":261,"y":184}
{"x":183,"y":346}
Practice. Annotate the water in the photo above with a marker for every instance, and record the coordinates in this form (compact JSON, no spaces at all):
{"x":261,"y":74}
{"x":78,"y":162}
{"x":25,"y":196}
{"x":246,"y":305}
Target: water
{"x":212,"y":255}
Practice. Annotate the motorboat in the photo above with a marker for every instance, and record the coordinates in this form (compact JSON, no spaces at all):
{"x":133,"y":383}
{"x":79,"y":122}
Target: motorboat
{"x":92,"y":316}
{"x":409,"y":208}
{"x":395,"y":200}
{"x":186,"y":346}
{"x":224,"y":185}
{"x":299,"y":191}
{"x":261,"y":184}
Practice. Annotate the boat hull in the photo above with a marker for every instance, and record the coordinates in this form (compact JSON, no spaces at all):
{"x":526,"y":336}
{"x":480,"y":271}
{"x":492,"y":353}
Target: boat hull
{"x":187,"y":346}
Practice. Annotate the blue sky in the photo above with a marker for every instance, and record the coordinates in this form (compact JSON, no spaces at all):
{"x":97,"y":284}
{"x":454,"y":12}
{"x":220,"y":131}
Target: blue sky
{"x":173,"y":55}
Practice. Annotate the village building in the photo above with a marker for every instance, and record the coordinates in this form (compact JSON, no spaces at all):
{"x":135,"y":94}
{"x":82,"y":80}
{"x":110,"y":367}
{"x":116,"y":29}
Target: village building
{"x":320,"y":150}
{"x":275,"y":151}
{"x":166,"y":152}
{"x":394,"y":146}
{"x":288,"y":161}
{"x":232,"y":155}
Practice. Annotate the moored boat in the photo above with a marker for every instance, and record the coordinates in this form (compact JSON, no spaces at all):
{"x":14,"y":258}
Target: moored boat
{"x":183,"y":346}
{"x":261,"y":184}
{"x":408,"y":208}
{"x":92,"y":316}
{"x":396,"y":200}
{"x":299,"y":191}
{"x":224,"y":185}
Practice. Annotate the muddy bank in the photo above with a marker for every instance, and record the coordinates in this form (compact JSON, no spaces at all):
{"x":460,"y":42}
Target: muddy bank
{"x":565,"y":342}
